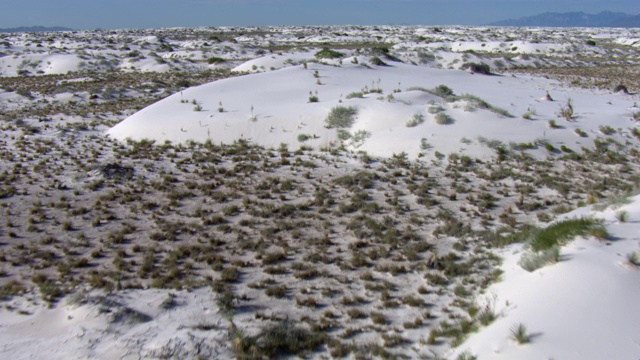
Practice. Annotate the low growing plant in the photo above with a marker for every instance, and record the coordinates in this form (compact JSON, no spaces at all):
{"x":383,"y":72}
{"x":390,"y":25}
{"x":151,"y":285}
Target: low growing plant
{"x":519,"y":334}
{"x":562,"y":232}
{"x":341,"y":117}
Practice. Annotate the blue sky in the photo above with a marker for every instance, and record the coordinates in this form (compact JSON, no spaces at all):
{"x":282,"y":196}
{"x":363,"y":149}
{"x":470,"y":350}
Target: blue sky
{"x":91,"y":14}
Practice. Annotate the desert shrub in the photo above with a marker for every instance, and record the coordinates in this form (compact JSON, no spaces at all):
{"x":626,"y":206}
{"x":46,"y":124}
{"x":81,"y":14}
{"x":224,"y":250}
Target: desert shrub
{"x":567,"y":111}
{"x":229,"y":274}
{"x":359,"y":137}
{"x":415,"y":120}
{"x":355,"y":94}
{"x":442,"y":91}
{"x":562,"y":232}
{"x":215,"y":60}
{"x":225,"y":299}
{"x":434,"y":109}
{"x":519,"y":334}
{"x":49,"y":290}
{"x":633,"y":258}
{"x":607,"y":130}
{"x":475,"y":101}
{"x":424,"y":144}
{"x":466,"y":355}
{"x":327,"y":53}
{"x":303,"y":137}
{"x":443,"y":119}
{"x":477,"y":68}
{"x":361,"y":180}
{"x":581,"y":133}
{"x":287,"y":338}
{"x":622,"y":216}
{"x":565,"y":149}
{"x":487,"y":315}
{"x":553,"y":124}
{"x":278,"y":291}
{"x":343,"y":135}
{"x":532,"y":261}
{"x":341,"y":117}
{"x":10,"y":289}
{"x":377,"y":61}
{"x":621,"y":88}
{"x":273,"y":257}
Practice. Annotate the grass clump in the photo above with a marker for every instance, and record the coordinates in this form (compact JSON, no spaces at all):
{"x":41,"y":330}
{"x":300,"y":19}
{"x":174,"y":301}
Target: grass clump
{"x":479,"y":103}
{"x":519,"y":334}
{"x":303,"y":137}
{"x":477,"y":68}
{"x":622,"y":216}
{"x":633,"y":258}
{"x":442,"y":91}
{"x":581,"y":133}
{"x":341,"y":117}
{"x":327,"y":53}
{"x":415,"y":120}
{"x":443,"y":119}
{"x":280,"y":339}
{"x":562,"y":232}
{"x":215,"y":60}
{"x":532,"y":261}
{"x":377,"y":61}
{"x":466,"y":356}
{"x":355,"y":94}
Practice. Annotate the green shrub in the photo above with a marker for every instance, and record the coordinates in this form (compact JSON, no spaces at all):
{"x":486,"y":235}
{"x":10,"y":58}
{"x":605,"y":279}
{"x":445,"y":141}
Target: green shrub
{"x":415,"y":120}
{"x":466,"y":355}
{"x":622,"y":216}
{"x":276,"y":341}
{"x":355,"y":94}
{"x":477,"y":68}
{"x":478,"y":102}
{"x":443,"y":119}
{"x":278,"y":291}
{"x":442,"y":91}
{"x":487,"y":315}
{"x":377,"y":61}
{"x":562,"y":232}
{"x":229,"y":274}
{"x":519,"y":334}
{"x":581,"y":133}
{"x":607,"y":130}
{"x":633,"y":258}
{"x":215,"y":60}
{"x":341,"y":117}
{"x":434,"y":109}
{"x":327,"y":53}
{"x":532,"y":261}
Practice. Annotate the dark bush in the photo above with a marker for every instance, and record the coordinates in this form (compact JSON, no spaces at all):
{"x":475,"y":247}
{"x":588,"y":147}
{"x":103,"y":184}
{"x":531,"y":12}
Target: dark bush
{"x":476,"y":68}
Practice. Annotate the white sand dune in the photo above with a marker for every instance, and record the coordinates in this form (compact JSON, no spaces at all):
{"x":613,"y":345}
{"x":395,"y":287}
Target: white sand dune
{"x":282,"y":111}
{"x":580,"y":308}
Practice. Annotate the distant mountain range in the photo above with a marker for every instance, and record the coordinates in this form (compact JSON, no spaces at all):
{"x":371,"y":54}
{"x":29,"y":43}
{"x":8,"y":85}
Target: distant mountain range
{"x":35,"y":29}
{"x":575,"y":19}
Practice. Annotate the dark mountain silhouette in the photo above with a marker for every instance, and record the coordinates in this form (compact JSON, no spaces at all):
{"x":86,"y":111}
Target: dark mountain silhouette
{"x":35,"y":29}
{"x":575,"y":19}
